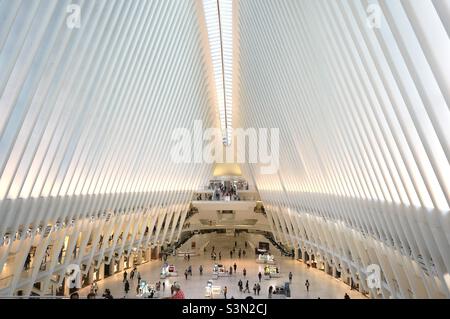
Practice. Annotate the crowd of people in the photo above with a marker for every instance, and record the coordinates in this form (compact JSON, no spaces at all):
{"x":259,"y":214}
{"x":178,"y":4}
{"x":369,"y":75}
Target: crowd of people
{"x":240,"y":253}
{"x":175,"y":289}
{"x":220,"y":192}
{"x":226,"y":193}
{"x":244,"y":284}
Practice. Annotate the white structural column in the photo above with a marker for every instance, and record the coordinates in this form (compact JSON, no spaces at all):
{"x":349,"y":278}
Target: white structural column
{"x":359,"y":91}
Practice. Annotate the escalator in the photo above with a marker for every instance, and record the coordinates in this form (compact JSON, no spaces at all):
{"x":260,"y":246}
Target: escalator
{"x":284,"y":250}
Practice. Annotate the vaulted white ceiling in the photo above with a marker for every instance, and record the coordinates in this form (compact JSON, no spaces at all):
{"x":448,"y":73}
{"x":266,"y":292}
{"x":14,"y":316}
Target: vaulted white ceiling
{"x":360,"y":90}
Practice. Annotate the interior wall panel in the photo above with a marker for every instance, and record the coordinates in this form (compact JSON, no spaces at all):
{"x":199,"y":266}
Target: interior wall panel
{"x":87,"y":115}
{"x":362,"y":109}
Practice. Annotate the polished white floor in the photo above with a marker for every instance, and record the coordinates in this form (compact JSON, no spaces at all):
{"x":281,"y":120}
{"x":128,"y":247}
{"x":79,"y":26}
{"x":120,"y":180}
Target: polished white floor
{"x":321,"y":285}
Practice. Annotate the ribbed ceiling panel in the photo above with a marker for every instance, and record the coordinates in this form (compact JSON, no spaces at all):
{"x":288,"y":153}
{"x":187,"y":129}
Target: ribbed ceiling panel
{"x":87,"y":111}
{"x":86,"y":122}
{"x":364,"y":116}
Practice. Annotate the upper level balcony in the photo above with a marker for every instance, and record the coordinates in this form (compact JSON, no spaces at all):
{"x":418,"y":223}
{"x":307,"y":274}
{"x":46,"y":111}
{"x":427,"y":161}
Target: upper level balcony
{"x":227,"y":189}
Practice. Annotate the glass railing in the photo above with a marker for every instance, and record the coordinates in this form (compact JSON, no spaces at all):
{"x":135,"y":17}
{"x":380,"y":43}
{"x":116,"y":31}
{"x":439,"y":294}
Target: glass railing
{"x":225,"y":197}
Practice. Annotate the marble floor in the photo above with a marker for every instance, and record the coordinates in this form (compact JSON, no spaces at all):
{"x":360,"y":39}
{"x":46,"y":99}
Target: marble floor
{"x":321,"y":285}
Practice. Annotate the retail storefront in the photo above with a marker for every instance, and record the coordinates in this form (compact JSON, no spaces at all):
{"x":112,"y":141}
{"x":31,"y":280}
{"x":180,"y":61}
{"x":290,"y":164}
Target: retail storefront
{"x":168,"y":271}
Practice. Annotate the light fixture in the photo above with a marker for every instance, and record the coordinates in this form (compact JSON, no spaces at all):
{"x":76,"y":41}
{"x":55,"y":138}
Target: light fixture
{"x":219,"y":23}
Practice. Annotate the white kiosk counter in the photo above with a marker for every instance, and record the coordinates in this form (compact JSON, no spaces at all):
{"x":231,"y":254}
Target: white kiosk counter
{"x":212,"y":291}
{"x":219,"y":271}
{"x":265,"y":259}
{"x":279,"y":292}
{"x":271,"y":271}
{"x":147,"y":291}
{"x":168,"y":271}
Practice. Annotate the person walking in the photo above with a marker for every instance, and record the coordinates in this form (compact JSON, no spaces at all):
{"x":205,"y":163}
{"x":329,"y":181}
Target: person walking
{"x":307,"y":285}
{"x":270,"y":292}
{"x":290,"y":277}
{"x":231,"y":270}
{"x":231,"y":254}
{"x":164,"y":286}
{"x":259,"y":276}
{"x":127,"y":287}
{"x":225,"y":290}
{"x":28,"y":261}
{"x":94,"y":287}
{"x":189,"y":257}
{"x":107,"y":294}
{"x":254,"y":289}
{"x":220,"y":255}
{"x":247,"y":288}
{"x":235,"y":267}
{"x":240,"y":285}
{"x":186,"y":274}
{"x":132,"y":274}
{"x":200,"y":270}
{"x":179,"y":294}
{"x":258,"y":288}
{"x":125,"y":276}
{"x":139,"y":277}
{"x":244,"y":272}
